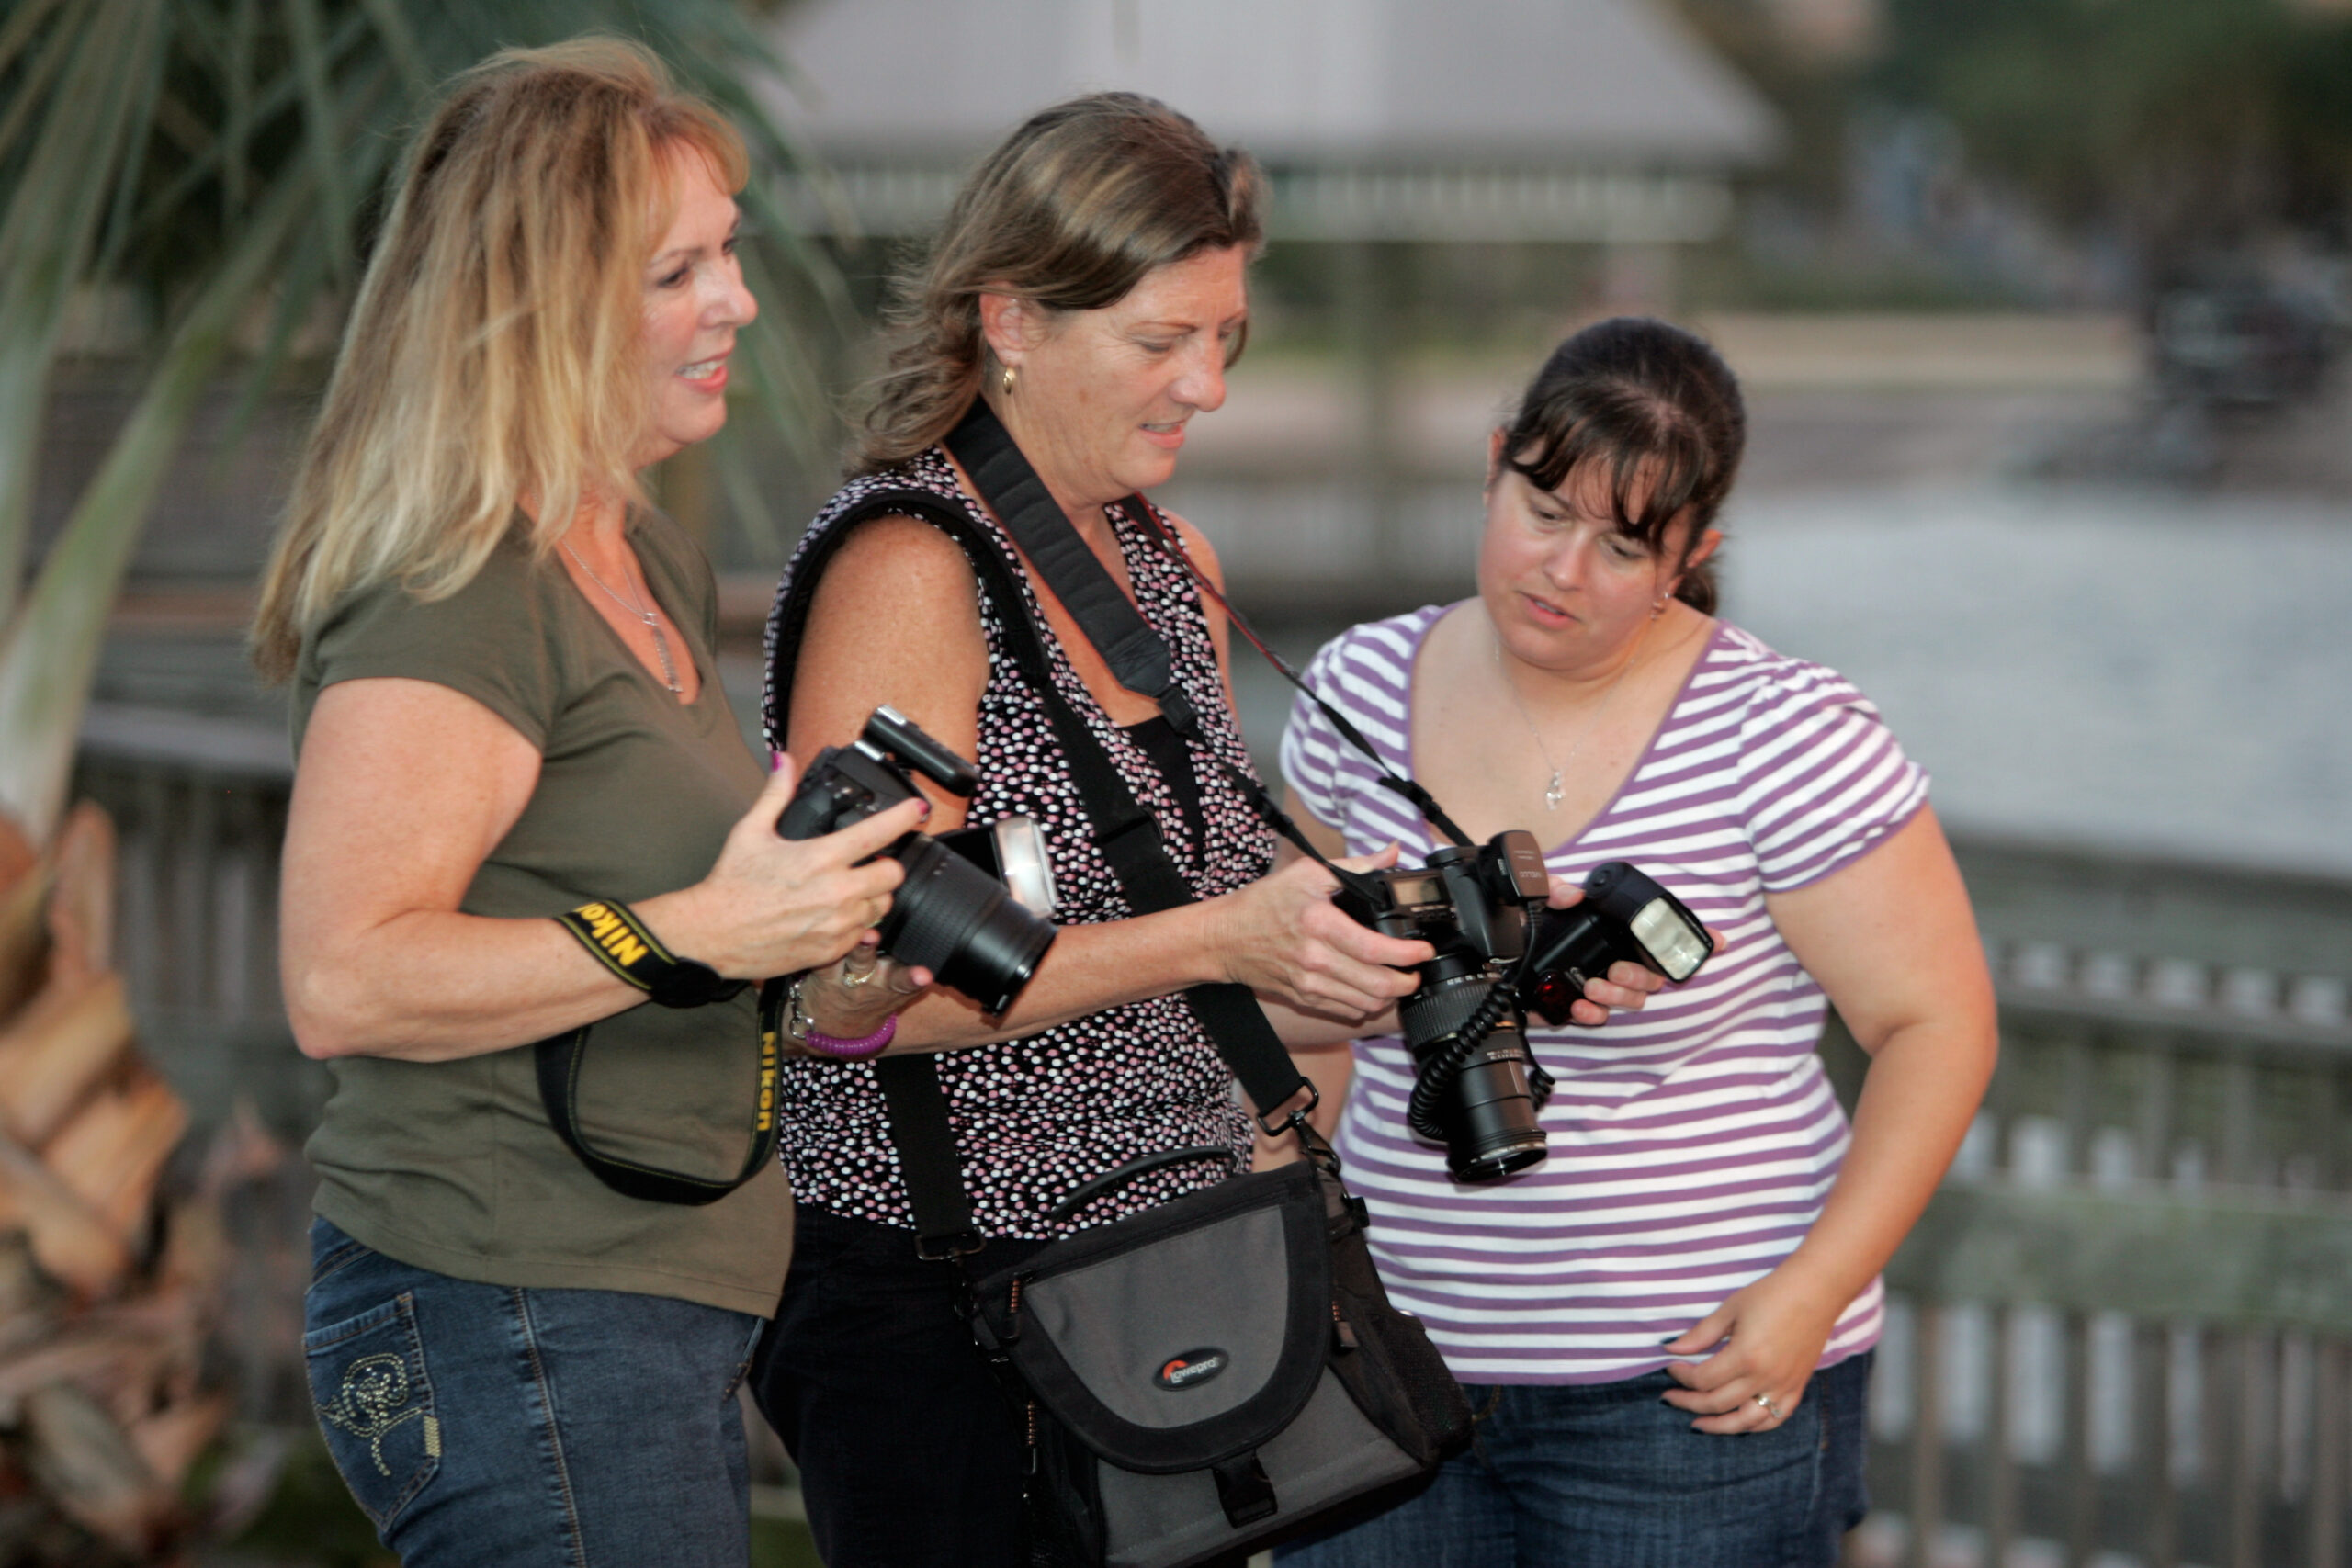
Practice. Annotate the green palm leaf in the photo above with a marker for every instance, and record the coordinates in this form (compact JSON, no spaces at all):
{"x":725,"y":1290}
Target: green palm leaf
{"x":222,"y":158}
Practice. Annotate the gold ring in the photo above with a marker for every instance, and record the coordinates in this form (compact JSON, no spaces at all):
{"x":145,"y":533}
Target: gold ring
{"x":860,"y":976}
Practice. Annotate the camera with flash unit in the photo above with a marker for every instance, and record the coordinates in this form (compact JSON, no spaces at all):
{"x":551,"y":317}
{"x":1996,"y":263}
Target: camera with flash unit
{"x":975,"y":906}
{"x":1502,"y":951}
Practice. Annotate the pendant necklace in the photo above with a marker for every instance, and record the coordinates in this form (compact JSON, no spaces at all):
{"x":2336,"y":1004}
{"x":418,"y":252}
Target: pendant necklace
{"x":1556,"y":790}
{"x":652,"y":623}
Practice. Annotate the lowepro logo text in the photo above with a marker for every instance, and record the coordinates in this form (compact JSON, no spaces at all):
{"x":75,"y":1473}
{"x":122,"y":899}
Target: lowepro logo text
{"x":1191,"y":1368}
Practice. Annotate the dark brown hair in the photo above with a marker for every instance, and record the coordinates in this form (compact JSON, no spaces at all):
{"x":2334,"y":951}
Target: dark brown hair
{"x":1072,"y":212}
{"x":1659,"y":408}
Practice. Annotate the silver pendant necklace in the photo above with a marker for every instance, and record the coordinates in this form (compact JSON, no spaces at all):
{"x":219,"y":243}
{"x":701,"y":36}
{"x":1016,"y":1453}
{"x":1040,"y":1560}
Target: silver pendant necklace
{"x":653,"y":622}
{"x":1556,"y":790}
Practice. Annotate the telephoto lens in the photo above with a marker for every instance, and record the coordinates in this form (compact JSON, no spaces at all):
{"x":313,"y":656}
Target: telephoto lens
{"x":1471,"y":1089}
{"x":1476,"y":1088}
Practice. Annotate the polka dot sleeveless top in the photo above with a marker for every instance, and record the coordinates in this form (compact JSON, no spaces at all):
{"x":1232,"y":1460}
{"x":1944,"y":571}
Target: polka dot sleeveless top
{"x":1036,"y":1117}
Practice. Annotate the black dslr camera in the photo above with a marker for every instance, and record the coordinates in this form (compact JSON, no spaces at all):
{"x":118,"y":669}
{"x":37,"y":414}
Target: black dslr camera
{"x":1500,"y":951}
{"x":975,"y":908}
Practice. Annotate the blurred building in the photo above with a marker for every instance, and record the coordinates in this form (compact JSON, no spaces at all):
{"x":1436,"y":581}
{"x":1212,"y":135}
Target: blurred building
{"x":1389,"y":130}
{"x":1381,"y":120}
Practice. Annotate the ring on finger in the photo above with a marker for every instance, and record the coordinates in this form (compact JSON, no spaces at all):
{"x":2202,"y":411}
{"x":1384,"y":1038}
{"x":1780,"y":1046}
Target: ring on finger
{"x":852,"y":975}
{"x":1769,"y":1408}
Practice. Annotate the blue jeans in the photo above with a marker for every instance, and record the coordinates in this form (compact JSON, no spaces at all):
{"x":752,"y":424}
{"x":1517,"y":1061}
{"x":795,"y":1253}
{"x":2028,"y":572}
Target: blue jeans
{"x":483,"y":1423}
{"x":1608,"y":1475}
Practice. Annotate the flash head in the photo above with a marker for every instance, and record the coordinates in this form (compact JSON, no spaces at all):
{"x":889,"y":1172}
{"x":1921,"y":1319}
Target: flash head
{"x":888,"y":730}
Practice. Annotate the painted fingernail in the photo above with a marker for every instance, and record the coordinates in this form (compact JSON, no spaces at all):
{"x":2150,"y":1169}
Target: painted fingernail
{"x":776,"y":762}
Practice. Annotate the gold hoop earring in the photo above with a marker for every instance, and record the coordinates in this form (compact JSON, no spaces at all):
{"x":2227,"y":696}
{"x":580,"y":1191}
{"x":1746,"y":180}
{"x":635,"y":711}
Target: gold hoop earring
{"x":1006,"y":380}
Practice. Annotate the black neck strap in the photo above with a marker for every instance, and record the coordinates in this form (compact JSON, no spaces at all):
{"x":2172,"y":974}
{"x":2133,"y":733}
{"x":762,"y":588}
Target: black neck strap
{"x":1137,"y":655}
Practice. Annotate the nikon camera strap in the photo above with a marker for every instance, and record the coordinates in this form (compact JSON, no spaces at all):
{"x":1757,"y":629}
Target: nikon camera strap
{"x":558,"y":1061}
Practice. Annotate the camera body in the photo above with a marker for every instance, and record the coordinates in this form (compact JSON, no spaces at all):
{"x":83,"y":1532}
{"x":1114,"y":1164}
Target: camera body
{"x":1476,"y":1094}
{"x":1500,"y":949}
{"x":952,"y":915}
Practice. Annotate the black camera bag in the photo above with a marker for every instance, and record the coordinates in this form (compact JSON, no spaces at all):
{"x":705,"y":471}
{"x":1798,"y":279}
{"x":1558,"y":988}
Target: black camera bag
{"x":1212,"y":1373}
{"x":1300,"y":1387}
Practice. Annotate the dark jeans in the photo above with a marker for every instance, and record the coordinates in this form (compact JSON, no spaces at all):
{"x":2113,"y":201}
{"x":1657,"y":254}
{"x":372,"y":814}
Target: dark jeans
{"x":1608,"y":1475}
{"x":910,"y":1452}
{"x":482,"y":1424}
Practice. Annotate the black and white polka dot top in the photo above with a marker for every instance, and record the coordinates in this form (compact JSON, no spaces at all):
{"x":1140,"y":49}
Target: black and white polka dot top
{"x":1036,"y":1117}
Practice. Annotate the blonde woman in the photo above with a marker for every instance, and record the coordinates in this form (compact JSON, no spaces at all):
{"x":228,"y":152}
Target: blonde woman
{"x":504,"y":709}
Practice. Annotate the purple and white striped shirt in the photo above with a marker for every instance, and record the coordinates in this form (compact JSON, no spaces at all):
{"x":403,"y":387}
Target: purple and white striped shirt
{"x":1693,"y":1143}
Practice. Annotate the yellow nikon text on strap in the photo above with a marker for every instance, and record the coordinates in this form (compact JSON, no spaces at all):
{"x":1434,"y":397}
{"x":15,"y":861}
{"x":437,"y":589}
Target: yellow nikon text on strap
{"x":613,"y":932}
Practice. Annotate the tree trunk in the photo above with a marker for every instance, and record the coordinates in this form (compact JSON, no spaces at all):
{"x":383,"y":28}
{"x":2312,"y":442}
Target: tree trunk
{"x":109,"y":1287}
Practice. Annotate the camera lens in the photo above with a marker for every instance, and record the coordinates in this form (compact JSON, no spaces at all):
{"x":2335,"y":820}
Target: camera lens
{"x":1475,"y":1100}
{"x":1491,"y":1128}
{"x":960,"y":923}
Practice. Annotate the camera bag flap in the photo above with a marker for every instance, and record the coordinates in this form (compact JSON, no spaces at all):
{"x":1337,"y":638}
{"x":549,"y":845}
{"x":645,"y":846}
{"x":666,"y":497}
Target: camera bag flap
{"x":1213,"y":1373}
{"x":1181,"y":1338}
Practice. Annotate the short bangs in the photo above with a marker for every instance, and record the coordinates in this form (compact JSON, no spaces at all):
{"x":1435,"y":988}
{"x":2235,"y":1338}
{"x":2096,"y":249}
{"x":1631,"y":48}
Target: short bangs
{"x":1657,"y":465}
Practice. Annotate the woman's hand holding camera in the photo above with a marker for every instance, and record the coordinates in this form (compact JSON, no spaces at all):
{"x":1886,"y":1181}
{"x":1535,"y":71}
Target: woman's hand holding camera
{"x":1627,"y":985}
{"x":1283,"y":938}
{"x":849,"y":1000}
{"x":775,"y":906}
{"x":1280,"y":937}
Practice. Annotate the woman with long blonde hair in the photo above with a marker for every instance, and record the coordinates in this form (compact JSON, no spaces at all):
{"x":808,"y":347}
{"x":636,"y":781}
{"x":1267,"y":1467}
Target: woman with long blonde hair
{"x":548,"y":1218}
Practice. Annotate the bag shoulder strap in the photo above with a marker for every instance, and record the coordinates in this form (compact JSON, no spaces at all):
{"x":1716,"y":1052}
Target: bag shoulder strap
{"x":919,"y":1127}
{"x":1134,"y":649}
{"x":1126,"y":834}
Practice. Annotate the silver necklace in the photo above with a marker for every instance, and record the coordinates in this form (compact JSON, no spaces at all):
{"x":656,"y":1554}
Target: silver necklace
{"x":1555,"y":791}
{"x":653,"y":622}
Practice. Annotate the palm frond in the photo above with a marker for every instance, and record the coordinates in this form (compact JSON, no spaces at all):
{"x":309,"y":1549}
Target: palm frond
{"x":51,"y":648}
{"x":50,"y":233}
{"x":222,"y":157}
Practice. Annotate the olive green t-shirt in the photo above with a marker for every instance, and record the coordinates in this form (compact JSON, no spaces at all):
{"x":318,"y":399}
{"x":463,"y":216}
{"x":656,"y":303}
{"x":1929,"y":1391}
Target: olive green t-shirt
{"x":452,"y":1166}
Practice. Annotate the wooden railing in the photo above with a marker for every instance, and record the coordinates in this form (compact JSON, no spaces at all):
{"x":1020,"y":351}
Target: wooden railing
{"x":2121,"y":1332}
{"x":200,"y":806}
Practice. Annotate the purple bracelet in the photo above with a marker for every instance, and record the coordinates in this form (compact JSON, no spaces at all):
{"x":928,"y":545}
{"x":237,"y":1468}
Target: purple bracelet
{"x":863,"y":1049}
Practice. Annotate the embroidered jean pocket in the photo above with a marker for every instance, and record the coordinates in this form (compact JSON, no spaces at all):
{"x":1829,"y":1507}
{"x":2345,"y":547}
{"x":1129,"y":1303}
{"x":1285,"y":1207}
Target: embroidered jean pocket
{"x":375,"y":1404}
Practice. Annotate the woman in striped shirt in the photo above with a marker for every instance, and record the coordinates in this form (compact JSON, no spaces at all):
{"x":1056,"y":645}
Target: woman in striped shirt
{"x":1666,"y":1323}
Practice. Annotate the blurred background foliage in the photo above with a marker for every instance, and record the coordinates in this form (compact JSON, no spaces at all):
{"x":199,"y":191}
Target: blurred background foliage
{"x":190,"y":186}
{"x":2004,"y":242}
{"x":2170,"y":137}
